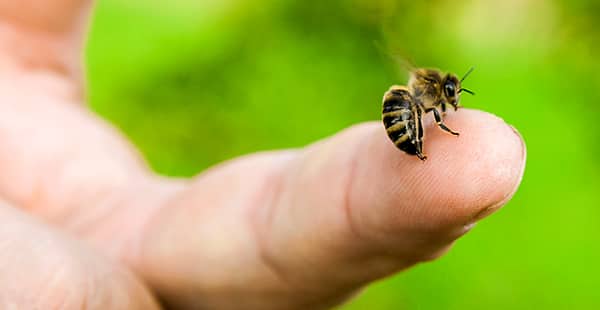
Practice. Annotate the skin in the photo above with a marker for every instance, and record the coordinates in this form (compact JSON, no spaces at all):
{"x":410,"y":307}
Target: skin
{"x":291,"y":229}
{"x":42,"y":268}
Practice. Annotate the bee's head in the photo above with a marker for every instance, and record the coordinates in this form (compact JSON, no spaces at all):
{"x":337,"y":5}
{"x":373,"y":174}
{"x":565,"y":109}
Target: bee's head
{"x":452,"y":88}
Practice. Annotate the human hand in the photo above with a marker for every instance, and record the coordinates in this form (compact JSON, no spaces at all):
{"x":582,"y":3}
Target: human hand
{"x":44,"y":269}
{"x":291,"y":229}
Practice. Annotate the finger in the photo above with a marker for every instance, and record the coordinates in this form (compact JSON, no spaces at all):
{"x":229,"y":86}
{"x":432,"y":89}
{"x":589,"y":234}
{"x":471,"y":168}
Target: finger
{"x":373,"y":201}
{"x":42,"y":269}
{"x":306,"y":228}
{"x":52,"y":16}
{"x":40,"y":35}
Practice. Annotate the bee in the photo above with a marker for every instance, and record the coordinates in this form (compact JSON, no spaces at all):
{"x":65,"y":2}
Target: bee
{"x":404,"y":106}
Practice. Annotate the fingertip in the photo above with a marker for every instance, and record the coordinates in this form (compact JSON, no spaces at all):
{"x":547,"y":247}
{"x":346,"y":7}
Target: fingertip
{"x":490,"y":164}
{"x":358,"y":194}
{"x":464,"y":179}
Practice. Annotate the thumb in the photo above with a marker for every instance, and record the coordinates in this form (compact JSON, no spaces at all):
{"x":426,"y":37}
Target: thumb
{"x":356,"y":208}
{"x":304,"y":229}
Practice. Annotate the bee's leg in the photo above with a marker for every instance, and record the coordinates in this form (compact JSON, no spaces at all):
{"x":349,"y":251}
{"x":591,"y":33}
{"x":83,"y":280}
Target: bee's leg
{"x":443,"y":105}
{"x":419,"y":143}
{"x":438,"y":121}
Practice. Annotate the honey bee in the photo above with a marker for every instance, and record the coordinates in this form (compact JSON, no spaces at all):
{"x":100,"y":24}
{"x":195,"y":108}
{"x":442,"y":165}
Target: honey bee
{"x":404,"y":106}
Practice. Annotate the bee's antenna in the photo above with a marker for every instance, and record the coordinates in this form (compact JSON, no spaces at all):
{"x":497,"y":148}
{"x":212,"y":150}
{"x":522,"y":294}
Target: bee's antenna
{"x":467,"y":74}
{"x":466,"y":91}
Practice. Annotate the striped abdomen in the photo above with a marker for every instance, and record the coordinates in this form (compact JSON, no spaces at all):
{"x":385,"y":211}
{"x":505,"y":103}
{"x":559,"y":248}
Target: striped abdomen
{"x":398,"y":115}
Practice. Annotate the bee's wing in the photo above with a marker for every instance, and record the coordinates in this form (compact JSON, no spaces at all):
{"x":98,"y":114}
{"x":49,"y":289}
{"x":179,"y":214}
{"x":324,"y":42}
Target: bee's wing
{"x":396,"y":55}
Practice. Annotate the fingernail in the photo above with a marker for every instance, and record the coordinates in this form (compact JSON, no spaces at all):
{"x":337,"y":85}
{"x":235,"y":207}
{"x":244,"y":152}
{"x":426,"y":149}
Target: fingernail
{"x":470,"y":226}
{"x":523,"y":159}
{"x":518,"y":134}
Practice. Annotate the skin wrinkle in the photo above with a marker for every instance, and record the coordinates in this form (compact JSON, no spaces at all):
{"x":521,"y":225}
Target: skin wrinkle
{"x":355,"y":232}
{"x":135,"y":256}
{"x":51,"y":84}
{"x":34,"y":51}
{"x":277,"y":201}
{"x":261,"y":224}
{"x":291,"y":172}
{"x":169,"y":190}
{"x":51,"y":285}
{"x":109,"y":207}
{"x":328,"y":152}
{"x":349,"y":185}
{"x":355,"y":222}
{"x":106,"y":202}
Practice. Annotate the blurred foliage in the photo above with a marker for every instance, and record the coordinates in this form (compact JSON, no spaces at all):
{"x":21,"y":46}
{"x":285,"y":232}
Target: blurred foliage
{"x":193,"y":83}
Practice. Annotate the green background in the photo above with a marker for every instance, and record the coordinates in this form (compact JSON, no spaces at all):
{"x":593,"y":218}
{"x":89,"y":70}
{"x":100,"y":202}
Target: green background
{"x":193,"y":83}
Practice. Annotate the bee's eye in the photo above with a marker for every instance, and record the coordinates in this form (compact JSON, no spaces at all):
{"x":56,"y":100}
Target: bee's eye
{"x":449,"y":89}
